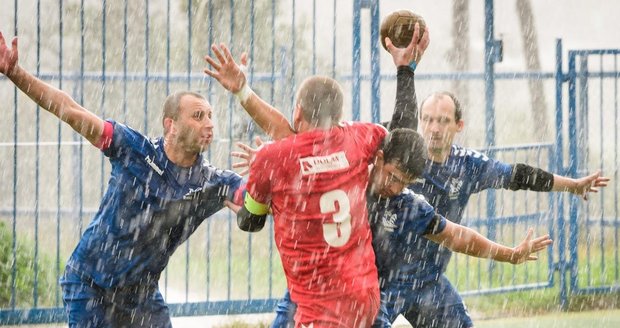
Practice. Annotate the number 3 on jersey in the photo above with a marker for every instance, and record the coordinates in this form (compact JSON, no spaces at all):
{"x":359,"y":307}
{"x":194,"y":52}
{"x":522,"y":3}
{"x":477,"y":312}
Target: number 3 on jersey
{"x":338,"y":233}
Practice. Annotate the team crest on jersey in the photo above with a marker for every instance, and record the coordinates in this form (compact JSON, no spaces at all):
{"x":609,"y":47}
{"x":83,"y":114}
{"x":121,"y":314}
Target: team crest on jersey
{"x":389,"y":221}
{"x":455,"y":186}
{"x":320,"y":164}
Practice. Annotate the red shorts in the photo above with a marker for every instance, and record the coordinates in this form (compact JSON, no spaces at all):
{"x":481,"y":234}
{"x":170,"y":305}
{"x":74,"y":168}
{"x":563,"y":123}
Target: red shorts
{"x":357,"y":310}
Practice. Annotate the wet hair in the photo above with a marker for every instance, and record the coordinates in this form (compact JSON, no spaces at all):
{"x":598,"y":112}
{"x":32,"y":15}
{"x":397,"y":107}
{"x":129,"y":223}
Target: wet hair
{"x":321,"y":99}
{"x":171,"y":105}
{"x":458,"y":111}
{"x":406,"y":149}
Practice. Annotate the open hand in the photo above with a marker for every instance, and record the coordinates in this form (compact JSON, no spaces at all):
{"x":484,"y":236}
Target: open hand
{"x":8,"y":56}
{"x":525,"y":250}
{"x":225,"y":70}
{"x":413,"y":52}
{"x":247,"y":155}
{"x":589,"y":184}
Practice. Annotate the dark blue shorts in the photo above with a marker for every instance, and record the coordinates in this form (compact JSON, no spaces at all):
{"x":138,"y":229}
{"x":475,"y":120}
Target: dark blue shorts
{"x":88,"y":305}
{"x":432,"y":304}
{"x":285,"y":312}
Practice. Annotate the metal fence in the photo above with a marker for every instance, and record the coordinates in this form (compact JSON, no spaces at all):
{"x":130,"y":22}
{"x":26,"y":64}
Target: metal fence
{"x":120,"y":60}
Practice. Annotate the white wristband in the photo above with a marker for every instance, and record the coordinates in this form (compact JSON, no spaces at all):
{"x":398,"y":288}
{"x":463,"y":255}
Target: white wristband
{"x":244,"y":94}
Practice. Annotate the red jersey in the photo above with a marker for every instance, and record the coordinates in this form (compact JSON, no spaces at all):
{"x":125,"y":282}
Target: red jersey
{"x":316,"y":184}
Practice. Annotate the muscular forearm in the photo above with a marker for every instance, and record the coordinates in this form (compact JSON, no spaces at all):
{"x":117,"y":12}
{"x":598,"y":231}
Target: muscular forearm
{"x":406,"y":107}
{"x":268,"y":118}
{"x":58,"y":103}
{"x":561,"y":183}
{"x":467,"y":241}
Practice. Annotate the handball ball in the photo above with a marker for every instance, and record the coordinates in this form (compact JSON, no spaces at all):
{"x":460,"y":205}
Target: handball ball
{"x":399,"y":27}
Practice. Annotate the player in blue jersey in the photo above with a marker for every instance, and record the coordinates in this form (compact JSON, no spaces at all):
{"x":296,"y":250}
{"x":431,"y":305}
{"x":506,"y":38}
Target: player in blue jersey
{"x":159,"y":191}
{"x":452,"y":175}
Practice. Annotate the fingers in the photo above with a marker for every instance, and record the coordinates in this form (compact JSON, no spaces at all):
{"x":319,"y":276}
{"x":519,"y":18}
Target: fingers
{"x":244,"y":59}
{"x":245,"y":147}
{"x":416,"y":34}
{"x":227,"y":54}
{"x":258,"y":141}
{"x":530,"y":232}
{"x":240,"y":155}
{"x":389,"y":45}
{"x":2,"y":41}
{"x":425,"y":41}
{"x":216,"y":66}
{"x":218,"y":54}
{"x":14,"y":44}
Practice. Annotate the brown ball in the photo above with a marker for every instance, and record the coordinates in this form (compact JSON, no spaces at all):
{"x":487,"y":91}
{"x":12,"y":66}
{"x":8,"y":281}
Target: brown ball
{"x":399,"y":27}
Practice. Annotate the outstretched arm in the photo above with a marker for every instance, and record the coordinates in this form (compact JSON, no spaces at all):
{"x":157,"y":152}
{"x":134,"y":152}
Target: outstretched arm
{"x":406,"y":108}
{"x":231,"y":76}
{"x":525,"y":177}
{"x":48,"y":97}
{"x":467,"y":241}
{"x":581,"y":186}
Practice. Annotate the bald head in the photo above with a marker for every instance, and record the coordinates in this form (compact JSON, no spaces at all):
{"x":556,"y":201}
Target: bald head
{"x":320,"y":99}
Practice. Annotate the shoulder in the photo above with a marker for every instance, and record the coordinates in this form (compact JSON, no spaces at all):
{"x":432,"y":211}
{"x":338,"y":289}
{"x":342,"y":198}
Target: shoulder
{"x":409,"y":199}
{"x":374,"y":127}
{"x":462,"y":153}
{"x":213,"y":173}
{"x":125,"y":137}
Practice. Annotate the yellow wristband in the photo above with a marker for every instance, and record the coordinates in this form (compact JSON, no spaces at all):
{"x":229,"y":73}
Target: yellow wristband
{"x":253,"y":206}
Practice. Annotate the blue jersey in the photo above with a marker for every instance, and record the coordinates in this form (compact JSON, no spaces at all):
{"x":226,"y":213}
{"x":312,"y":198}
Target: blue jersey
{"x":150,"y":207}
{"x":398,"y":224}
{"x":447,"y":187}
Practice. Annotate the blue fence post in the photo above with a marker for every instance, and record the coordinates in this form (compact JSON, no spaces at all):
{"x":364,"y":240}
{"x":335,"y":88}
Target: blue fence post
{"x":572,"y":166}
{"x":490,"y":57}
{"x":357,"y":52}
{"x":375,"y":65}
{"x":559,"y":167}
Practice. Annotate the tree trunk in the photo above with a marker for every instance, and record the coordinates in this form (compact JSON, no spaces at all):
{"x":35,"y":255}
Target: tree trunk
{"x":532,"y":59}
{"x":458,"y":56}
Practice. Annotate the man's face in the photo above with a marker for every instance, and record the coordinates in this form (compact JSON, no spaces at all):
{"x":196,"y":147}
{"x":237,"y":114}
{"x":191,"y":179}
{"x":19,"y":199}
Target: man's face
{"x":439,"y":125}
{"x":193,"y":127}
{"x":388,"y":180}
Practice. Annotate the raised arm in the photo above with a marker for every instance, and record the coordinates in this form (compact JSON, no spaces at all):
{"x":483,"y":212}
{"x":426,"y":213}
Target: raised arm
{"x":467,"y":241}
{"x":48,"y":97}
{"x":231,"y":76}
{"x":406,"y":59}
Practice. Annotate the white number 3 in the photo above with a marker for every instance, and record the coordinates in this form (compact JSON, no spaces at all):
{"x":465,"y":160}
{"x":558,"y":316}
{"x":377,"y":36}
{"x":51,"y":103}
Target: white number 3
{"x":338,"y":233}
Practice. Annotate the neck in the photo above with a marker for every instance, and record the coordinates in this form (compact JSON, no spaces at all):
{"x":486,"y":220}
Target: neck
{"x":179,"y":156}
{"x":439,"y":155}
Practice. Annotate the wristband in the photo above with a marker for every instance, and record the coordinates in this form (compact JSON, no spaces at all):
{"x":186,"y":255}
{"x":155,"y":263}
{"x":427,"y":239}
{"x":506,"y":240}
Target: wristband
{"x":244,"y":94}
{"x":413,"y":65}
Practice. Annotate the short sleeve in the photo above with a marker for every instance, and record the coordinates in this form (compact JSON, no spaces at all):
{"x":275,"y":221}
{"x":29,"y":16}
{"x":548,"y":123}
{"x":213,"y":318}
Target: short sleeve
{"x":123,"y":137}
{"x":489,"y":173}
{"x":420,"y":217}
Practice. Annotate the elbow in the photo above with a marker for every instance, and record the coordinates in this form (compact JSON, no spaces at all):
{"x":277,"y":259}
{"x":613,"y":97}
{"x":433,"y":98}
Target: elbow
{"x":249,"y":222}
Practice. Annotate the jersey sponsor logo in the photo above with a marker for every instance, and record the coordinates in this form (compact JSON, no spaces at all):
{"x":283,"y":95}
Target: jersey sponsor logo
{"x":389,"y":221}
{"x":191,"y":194}
{"x":154,"y":166}
{"x":455,"y":186}
{"x":320,"y":164}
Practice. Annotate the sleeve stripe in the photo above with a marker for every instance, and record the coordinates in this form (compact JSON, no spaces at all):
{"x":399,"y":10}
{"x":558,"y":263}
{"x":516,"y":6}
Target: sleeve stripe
{"x":253,"y":206}
{"x":106,"y":136}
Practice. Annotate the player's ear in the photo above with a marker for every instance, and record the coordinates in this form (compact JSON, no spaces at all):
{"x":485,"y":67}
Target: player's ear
{"x":460,"y":124}
{"x":297,"y":117}
{"x":168,"y":125}
{"x":379,"y":157}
